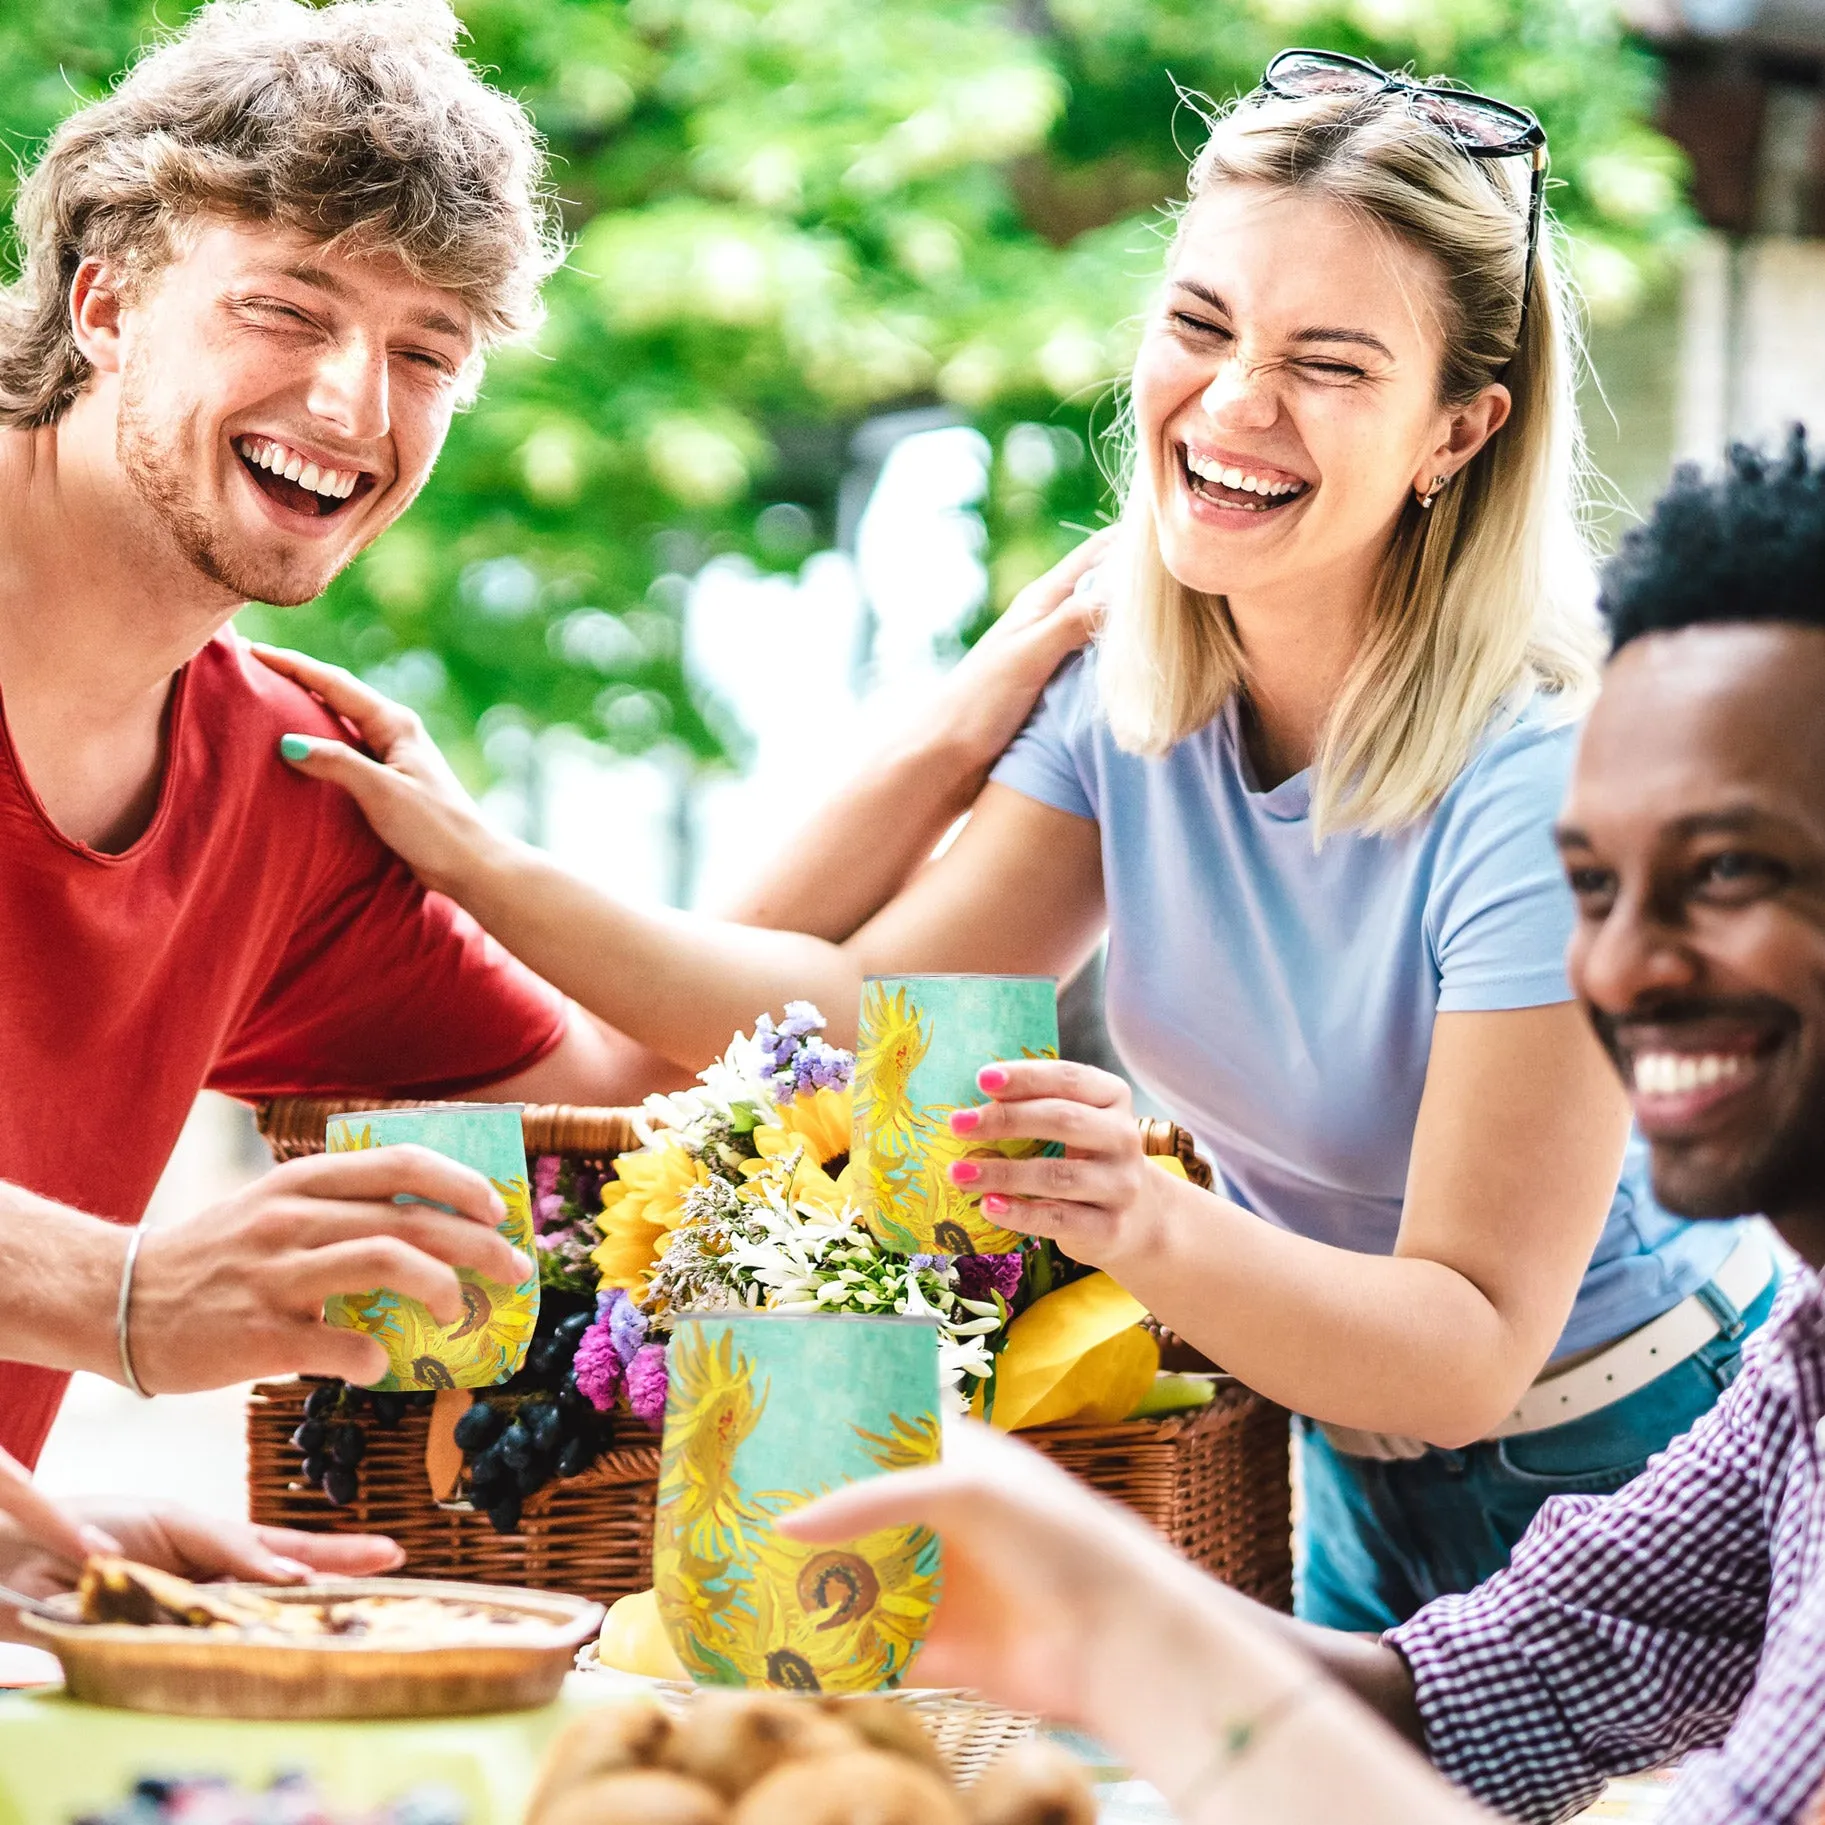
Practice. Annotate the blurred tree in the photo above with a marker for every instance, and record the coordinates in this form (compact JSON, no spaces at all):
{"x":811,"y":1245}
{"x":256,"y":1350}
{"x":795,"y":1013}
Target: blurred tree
{"x":793,"y":214}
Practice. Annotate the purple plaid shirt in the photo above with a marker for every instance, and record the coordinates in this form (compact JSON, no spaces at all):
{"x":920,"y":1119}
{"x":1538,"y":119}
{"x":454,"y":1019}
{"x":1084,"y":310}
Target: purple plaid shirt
{"x":1684,"y":1613}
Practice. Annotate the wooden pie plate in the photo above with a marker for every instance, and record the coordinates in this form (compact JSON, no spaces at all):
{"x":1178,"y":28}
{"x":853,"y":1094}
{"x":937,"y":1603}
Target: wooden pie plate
{"x":196,"y":1673}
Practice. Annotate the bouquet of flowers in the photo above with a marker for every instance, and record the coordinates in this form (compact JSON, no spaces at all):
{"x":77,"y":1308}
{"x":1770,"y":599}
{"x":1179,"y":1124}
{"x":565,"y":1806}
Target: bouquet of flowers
{"x":743,"y":1195}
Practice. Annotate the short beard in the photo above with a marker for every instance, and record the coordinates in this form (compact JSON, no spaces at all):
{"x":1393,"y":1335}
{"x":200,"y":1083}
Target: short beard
{"x":156,"y":465}
{"x":1788,"y":1174}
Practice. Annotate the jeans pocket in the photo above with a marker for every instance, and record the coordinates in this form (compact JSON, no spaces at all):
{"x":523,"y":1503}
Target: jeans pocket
{"x":1585,"y":1479}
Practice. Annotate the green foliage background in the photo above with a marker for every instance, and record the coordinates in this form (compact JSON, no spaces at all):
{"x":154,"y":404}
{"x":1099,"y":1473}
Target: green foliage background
{"x":790,"y":215}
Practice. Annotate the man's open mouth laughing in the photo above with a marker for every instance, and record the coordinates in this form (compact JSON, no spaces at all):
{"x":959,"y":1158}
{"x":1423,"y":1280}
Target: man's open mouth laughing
{"x":1239,"y":485}
{"x":296,"y":482}
{"x":1687,"y":1075}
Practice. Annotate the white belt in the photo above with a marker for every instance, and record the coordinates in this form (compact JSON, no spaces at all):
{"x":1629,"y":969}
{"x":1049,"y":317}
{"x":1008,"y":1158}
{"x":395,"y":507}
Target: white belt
{"x":1626,"y":1367}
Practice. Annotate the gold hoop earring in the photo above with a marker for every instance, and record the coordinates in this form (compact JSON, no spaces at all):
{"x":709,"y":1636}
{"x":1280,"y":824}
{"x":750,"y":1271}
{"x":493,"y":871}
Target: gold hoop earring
{"x":1438,"y":483}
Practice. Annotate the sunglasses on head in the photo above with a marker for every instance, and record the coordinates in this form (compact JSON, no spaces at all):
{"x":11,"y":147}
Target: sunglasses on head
{"x":1478,"y":125}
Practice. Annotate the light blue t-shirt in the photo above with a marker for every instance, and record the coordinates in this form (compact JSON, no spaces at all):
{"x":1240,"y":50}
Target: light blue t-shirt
{"x":1278,"y":1001}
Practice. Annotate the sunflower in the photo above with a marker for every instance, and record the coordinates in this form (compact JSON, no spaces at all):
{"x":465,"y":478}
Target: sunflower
{"x":641,"y":1206}
{"x":892,"y":1045}
{"x":822,"y":1121}
{"x":712,"y":1406}
{"x":836,"y":1619}
{"x":812,"y":1136}
{"x":483,"y":1347}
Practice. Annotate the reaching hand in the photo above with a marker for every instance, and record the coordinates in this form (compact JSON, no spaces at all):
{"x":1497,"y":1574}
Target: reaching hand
{"x":237,"y":1292}
{"x":195,"y":1546}
{"x":416,"y":805}
{"x":1051,"y":1595}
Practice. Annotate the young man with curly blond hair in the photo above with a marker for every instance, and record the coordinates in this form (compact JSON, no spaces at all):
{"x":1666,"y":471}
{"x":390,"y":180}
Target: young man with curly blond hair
{"x":259,"y":278}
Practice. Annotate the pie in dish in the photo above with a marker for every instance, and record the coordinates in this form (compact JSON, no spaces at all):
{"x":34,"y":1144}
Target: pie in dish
{"x":120,"y":1591}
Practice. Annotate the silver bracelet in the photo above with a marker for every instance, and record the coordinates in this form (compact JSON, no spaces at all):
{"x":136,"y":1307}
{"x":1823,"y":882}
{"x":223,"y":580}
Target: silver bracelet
{"x":127,"y":1372}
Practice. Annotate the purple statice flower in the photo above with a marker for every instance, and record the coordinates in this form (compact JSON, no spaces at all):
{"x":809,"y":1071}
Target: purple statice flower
{"x":627,"y":1326}
{"x":547,"y":1200}
{"x":980,"y":1275}
{"x":940,"y":1262}
{"x":597,"y":1367}
{"x":646,"y":1384}
{"x":821,"y":1067}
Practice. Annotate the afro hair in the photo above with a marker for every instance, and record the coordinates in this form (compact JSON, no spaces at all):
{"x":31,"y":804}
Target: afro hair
{"x":1747,"y":545}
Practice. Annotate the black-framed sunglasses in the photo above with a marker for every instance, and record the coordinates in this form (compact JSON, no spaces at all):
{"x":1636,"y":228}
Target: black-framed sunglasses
{"x":1478,"y":125}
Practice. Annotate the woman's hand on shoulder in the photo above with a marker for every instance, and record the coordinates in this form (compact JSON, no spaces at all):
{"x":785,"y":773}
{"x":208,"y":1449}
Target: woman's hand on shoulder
{"x":408,"y":793}
{"x":1101,"y":1201}
{"x":992,"y":691}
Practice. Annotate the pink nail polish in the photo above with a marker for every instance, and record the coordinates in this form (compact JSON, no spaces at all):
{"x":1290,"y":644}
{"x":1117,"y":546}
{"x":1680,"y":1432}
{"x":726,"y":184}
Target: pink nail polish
{"x":965,"y":1121}
{"x":995,"y":1205}
{"x":965,"y":1172}
{"x":992,"y":1077}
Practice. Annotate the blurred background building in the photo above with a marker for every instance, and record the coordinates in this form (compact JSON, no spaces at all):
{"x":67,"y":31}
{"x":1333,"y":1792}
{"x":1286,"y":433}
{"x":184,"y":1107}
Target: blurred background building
{"x":830,"y":373}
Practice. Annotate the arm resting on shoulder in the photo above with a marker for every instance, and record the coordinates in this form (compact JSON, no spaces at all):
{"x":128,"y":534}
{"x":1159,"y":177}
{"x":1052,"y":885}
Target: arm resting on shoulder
{"x":1020,"y":890}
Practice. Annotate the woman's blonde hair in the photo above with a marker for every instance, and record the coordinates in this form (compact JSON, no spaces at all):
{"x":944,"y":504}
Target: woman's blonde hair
{"x":356,"y":123}
{"x":1489,"y":592}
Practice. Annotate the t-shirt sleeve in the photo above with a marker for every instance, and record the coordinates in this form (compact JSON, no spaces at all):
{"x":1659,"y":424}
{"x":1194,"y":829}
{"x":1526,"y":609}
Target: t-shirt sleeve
{"x":1043,"y":760}
{"x":384,"y":988}
{"x":1499,"y":913}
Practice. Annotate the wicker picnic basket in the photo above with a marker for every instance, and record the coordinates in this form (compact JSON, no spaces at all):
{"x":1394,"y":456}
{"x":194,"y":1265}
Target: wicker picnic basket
{"x":1213,"y":1482}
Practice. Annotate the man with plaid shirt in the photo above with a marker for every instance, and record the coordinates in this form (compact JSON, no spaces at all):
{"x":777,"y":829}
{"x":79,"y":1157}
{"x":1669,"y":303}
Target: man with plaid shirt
{"x":1686,"y":1613}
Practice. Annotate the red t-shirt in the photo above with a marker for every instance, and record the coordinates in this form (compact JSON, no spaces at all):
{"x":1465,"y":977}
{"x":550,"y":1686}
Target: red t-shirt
{"x":258,"y":939}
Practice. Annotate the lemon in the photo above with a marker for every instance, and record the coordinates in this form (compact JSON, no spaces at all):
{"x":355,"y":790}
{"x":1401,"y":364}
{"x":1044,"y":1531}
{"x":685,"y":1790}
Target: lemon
{"x":634,"y":1640}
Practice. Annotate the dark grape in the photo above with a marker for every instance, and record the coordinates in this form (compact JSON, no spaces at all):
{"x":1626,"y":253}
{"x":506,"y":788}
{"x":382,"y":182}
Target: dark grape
{"x":504,"y":1515}
{"x":578,"y":1454}
{"x":314,"y":1467}
{"x":544,"y":1422}
{"x":479,"y":1427}
{"x":341,"y":1483}
{"x":348,"y":1445}
{"x":389,"y":1410}
{"x":321,"y":1398}
{"x":516,"y":1446}
{"x":309,"y":1437}
{"x":573,"y":1403}
{"x":572,"y":1328}
{"x":549,"y":1357}
{"x":533,"y":1475}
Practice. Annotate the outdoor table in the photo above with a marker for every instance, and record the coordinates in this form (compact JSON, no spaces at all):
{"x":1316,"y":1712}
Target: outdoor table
{"x":60,"y":1760}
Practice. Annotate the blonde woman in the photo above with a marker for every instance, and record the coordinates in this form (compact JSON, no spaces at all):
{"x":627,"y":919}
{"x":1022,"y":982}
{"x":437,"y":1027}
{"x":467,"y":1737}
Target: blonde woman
{"x":1306,"y":782}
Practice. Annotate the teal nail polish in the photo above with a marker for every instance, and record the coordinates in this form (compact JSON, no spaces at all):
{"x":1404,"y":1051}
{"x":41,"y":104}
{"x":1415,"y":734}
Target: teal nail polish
{"x":295,"y":747}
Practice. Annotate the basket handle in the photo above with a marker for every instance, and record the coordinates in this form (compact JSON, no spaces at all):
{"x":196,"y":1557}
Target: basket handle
{"x":293,"y":1126}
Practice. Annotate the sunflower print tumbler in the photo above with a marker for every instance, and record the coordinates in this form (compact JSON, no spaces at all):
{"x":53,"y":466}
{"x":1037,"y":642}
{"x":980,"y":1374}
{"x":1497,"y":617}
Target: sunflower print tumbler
{"x":764,"y":1411}
{"x":487,"y":1343}
{"x":922,"y":1039}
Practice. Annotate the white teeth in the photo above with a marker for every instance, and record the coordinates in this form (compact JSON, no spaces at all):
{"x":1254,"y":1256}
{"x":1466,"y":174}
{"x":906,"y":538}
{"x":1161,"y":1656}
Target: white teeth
{"x":1240,"y":479}
{"x":1671,"y":1073}
{"x":334,"y":484}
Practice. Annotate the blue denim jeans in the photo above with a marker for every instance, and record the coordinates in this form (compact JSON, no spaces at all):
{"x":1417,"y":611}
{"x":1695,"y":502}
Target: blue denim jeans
{"x":1381,"y":1539}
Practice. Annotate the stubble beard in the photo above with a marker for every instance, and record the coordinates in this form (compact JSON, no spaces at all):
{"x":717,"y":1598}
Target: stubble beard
{"x":156,"y":464}
{"x":1785,"y":1173}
